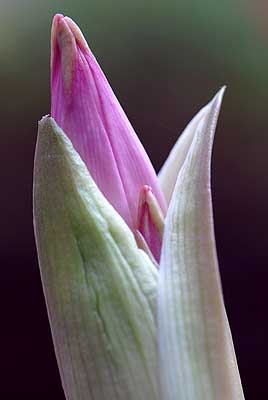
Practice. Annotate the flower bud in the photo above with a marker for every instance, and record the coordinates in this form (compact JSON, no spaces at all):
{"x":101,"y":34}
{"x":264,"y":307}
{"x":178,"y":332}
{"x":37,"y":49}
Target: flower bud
{"x":85,"y":107}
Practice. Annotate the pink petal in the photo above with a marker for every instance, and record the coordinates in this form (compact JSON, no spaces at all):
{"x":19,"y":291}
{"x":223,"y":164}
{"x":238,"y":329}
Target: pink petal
{"x":85,"y":107}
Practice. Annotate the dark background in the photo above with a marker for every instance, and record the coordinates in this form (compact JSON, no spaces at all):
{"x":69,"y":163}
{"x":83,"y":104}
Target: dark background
{"x":165,"y":59}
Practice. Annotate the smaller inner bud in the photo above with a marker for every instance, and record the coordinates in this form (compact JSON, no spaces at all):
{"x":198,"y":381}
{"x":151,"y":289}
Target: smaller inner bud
{"x":150,"y":222}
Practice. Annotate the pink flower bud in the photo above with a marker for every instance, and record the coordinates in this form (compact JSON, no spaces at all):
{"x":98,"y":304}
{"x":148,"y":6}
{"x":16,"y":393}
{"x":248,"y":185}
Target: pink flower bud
{"x":85,"y":107}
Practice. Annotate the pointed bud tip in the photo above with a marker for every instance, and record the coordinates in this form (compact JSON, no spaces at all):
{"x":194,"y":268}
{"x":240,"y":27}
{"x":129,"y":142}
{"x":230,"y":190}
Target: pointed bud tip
{"x":49,"y":131}
{"x":215,"y":107}
{"x":46,"y":122}
{"x":66,"y":25}
{"x":79,"y":37}
{"x":147,"y":200}
{"x":144,"y":193}
{"x":150,"y":222}
{"x":66,"y":37}
{"x":219,"y":95}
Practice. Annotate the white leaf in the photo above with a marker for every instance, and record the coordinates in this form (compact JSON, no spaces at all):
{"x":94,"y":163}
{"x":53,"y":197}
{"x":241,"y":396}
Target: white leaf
{"x":197,"y":359}
{"x":168,"y":174}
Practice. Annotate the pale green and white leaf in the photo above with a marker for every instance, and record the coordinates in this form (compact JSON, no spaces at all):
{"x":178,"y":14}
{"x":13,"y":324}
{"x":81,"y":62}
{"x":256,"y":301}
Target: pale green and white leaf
{"x":197,"y":359}
{"x":100,"y":288}
{"x":169,"y":172}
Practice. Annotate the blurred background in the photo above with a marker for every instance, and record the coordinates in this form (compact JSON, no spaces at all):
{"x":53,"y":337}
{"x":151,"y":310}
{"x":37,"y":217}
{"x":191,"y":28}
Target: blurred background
{"x":165,"y":60}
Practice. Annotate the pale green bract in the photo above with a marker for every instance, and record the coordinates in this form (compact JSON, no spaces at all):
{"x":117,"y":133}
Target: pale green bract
{"x":121,"y":328}
{"x":100,"y":288}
